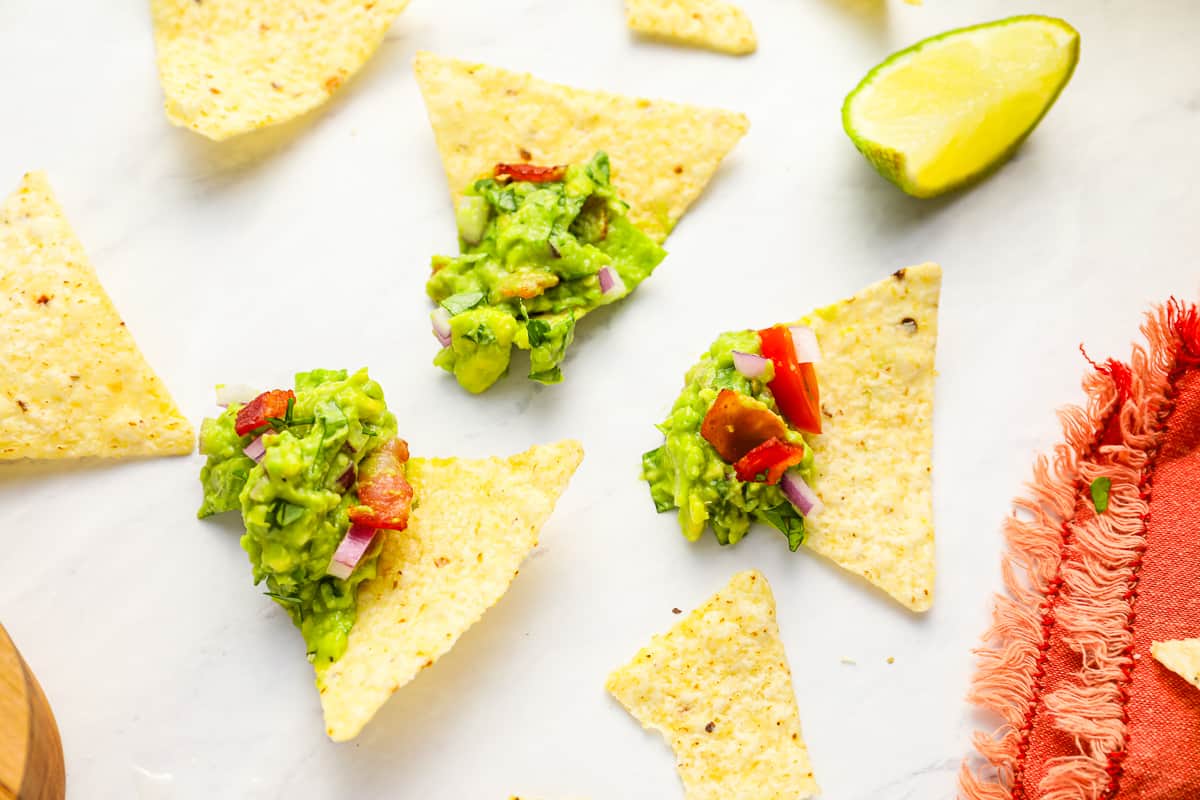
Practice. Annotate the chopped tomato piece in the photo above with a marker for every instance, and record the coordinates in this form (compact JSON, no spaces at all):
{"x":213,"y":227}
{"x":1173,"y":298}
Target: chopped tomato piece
{"x":773,"y":457}
{"x":530,"y":173}
{"x":257,"y":413}
{"x":384,"y":493}
{"x":794,"y":385}
{"x":736,"y":424}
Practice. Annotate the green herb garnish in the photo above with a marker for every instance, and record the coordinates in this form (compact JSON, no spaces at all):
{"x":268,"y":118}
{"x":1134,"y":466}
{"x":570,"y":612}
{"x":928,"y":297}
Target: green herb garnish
{"x":481,"y":335}
{"x":1100,"y":489}
{"x":784,"y":518}
{"x":539,"y":332}
{"x":283,"y":598}
{"x":463,"y":301}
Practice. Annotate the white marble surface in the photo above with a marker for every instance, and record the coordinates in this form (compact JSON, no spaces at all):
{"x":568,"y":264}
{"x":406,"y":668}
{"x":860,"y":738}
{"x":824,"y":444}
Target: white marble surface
{"x":305,"y":246}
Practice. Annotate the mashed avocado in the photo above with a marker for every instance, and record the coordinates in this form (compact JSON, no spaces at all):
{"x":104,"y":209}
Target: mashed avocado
{"x":687,"y":473}
{"x":536,"y":256}
{"x":294,"y":503}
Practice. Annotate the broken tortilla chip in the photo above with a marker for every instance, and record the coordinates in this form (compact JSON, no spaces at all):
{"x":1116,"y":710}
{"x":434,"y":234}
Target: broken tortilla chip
{"x":717,"y":686}
{"x":874,"y":455}
{"x":1181,"y":656}
{"x":75,"y":383}
{"x":232,"y":66}
{"x":714,"y":24}
{"x":473,"y":523}
{"x":663,"y":154}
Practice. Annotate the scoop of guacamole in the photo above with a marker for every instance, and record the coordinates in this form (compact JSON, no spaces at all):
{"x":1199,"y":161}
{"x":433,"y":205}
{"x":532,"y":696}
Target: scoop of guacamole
{"x":687,"y":473}
{"x":536,"y":256}
{"x":294,"y":502}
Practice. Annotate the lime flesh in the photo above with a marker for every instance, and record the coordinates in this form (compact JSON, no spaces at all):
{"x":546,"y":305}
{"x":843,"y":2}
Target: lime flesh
{"x":951,"y":108}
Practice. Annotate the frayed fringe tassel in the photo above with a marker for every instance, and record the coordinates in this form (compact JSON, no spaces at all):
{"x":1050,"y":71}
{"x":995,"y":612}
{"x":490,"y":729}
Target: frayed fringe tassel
{"x":1088,"y":597}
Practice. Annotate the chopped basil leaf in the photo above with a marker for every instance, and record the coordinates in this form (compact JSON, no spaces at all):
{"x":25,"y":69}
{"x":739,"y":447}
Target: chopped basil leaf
{"x":507,"y":201}
{"x":788,"y":521}
{"x":1100,"y":489}
{"x":651,"y":471}
{"x":481,"y":335}
{"x":369,"y":430}
{"x":539,"y":332}
{"x":463,"y":301}
{"x":549,"y":376}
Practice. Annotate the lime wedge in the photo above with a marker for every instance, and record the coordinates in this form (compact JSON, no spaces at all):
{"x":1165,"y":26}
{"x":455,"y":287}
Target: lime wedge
{"x":951,"y":108}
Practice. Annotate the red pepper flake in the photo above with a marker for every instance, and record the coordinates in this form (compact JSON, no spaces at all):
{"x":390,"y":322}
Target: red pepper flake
{"x":530,"y":173}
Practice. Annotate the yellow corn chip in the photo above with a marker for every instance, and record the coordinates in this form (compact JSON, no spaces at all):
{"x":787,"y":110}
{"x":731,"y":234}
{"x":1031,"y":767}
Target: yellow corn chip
{"x":663,"y":154}
{"x":473,"y":523}
{"x":874,"y":455}
{"x":1181,"y":656}
{"x":75,"y":383}
{"x":231,"y":66}
{"x":718,"y":688}
{"x":714,"y":24}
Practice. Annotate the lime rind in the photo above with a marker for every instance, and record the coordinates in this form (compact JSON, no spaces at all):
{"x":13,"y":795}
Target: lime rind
{"x":893,"y":164}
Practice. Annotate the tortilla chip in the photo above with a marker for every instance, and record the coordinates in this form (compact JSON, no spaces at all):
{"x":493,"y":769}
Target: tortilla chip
{"x":874,"y":456}
{"x":714,"y":24}
{"x":663,"y":154}
{"x":75,"y":383}
{"x":1181,"y":656}
{"x":473,"y":523}
{"x":718,"y":688}
{"x":231,"y":66}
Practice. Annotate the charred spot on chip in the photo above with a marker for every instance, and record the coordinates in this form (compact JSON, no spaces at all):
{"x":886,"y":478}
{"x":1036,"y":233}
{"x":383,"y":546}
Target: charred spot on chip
{"x":710,"y":727}
{"x":43,"y":299}
{"x":332,"y":83}
{"x":525,"y":154}
{"x":909,"y":324}
{"x":900,"y":273}
{"x":679,"y":169}
{"x":24,"y":408}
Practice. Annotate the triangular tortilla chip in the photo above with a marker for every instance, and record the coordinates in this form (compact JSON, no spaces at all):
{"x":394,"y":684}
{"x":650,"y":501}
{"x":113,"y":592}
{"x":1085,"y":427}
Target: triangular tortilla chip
{"x":1181,"y":656}
{"x":75,"y":383}
{"x":663,"y":154}
{"x":874,"y":456}
{"x":231,"y":66}
{"x":714,"y":24}
{"x":473,"y":523}
{"x":718,"y":688}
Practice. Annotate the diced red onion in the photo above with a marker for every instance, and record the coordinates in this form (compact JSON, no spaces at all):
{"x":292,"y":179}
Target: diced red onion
{"x":347,"y":478}
{"x":354,"y":545}
{"x":610,"y":281}
{"x":257,"y":449}
{"x":749,"y":364}
{"x":808,"y":351}
{"x":441,"y":325}
{"x":230,"y":393}
{"x":801,"y":494}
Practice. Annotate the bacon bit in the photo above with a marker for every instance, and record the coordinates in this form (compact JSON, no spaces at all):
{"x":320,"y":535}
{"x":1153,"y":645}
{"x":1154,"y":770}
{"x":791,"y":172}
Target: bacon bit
{"x":527,"y":285}
{"x":735,"y":425}
{"x":43,"y":299}
{"x":530,"y":173}
{"x":384,"y":492}
{"x":255,"y":414}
